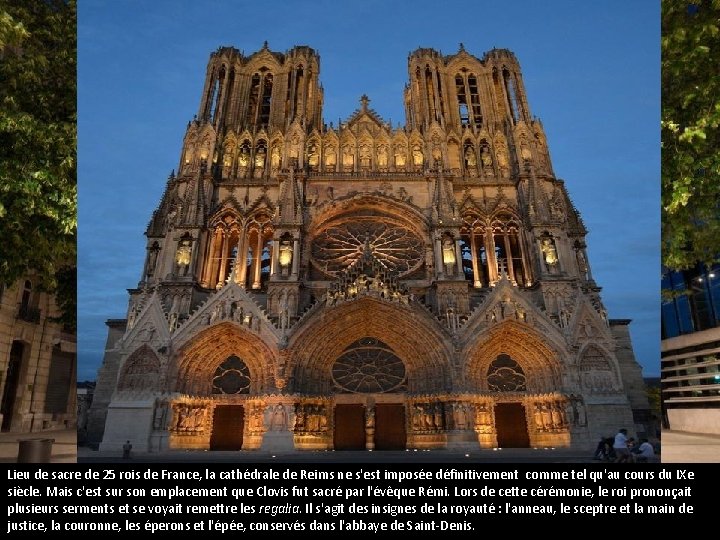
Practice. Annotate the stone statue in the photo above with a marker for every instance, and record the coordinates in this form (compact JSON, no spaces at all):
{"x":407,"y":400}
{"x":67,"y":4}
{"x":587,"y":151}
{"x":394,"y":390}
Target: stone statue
{"x":283,"y":313}
{"x":370,"y":417}
{"x":172,"y":322}
{"x":448,"y":252}
{"x":275,"y":159}
{"x":417,"y":156}
{"x":382,"y":157}
{"x":244,"y":158}
{"x":485,"y":156}
{"x":537,"y":414}
{"x":300,"y":418}
{"x":549,"y":251}
{"x":260,"y":158}
{"x":197,"y":419}
{"x":582,"y":264}
{"x":278,"y":418}
{"x":470,"y":159}
{"x":313,"y":157}
{"x":459,"y":418}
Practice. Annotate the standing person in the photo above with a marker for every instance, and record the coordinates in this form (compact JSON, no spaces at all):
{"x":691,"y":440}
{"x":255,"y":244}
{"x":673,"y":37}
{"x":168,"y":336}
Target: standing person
{"x":126,"y":450}
{"x":621,"y":447}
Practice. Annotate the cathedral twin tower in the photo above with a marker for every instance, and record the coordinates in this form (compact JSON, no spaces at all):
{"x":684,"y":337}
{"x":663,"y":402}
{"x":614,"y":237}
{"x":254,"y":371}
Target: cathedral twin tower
{"x":360,"y":286}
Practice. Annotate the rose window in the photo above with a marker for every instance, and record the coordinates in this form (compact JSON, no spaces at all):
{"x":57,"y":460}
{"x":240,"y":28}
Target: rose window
{"x":397,"y":248}
{"x":368,"y":365}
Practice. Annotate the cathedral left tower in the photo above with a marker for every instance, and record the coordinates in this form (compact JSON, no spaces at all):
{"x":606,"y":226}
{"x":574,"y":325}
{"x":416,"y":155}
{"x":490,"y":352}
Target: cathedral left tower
{"x":219,"y":215}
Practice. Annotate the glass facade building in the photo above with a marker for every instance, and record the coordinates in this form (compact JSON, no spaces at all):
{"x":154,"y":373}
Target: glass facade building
{"x":691,"y":349}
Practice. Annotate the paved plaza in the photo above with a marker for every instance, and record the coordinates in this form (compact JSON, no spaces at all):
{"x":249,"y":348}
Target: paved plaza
{"x":677,"y":447}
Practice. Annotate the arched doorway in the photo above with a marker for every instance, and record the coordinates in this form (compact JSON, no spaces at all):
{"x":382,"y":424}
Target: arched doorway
{"x":232,"y":377}
{"x":372,"y":381}
{"x":517,"y":370}
{"x":506,"y":375}
{"x":221,"y":372}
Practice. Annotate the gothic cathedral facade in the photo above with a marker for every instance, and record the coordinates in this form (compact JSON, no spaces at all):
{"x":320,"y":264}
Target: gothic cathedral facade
{"x":362,"y":286}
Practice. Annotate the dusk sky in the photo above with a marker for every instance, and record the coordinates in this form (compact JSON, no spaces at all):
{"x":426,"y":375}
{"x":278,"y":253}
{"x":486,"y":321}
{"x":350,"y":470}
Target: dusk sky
{"x":591,"y":71}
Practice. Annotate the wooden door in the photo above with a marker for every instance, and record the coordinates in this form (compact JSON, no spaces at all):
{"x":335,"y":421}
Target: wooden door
{"x":228,"y":425}
{"x":349,"y":433}
{"x":511,"y":425}
{"x":390,"y":426}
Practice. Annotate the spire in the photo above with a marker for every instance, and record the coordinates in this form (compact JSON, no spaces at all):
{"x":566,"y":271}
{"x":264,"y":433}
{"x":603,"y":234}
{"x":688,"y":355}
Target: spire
{"x":195,"y":204}
{"x":536,"y":198}
{"x":443,"y":199}
{"x":158,"y":219}
{"x":289,"y":202}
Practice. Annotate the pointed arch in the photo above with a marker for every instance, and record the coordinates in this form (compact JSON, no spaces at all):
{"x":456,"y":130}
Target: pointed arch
{"x":341,"y":230}
{"x":407,"y":330}
{"x":141,"y":371}
{"x":198,"y":361}
{"x":532,"y":352}
{"x":598,"y":374}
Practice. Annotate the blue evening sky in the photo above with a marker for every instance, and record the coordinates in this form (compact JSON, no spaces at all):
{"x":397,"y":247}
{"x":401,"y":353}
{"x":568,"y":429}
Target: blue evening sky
{"x":591,"y":71}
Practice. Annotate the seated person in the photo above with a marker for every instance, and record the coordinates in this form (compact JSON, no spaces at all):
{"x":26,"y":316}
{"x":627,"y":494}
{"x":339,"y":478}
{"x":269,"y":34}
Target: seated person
{"x":644,"y":452}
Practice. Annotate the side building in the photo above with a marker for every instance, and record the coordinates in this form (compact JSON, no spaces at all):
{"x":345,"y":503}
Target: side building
{"x":690,"y":350}
{"x":364,"y":286}
{"x":37,"y":361}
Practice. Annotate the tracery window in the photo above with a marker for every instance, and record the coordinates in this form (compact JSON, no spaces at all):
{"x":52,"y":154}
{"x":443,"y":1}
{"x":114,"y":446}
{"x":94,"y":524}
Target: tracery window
{"x":506,"y":375}
{"x":396,"y":247}
{"x":231,"y":377}
{"x":234,"y":246}
{"x":369,"y":365}
{"x":489,"y":249}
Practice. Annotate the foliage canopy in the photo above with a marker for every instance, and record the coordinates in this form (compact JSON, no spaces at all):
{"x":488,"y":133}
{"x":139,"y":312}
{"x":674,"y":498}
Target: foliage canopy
{"x":38,"y":135}
{"x":690,"y":132}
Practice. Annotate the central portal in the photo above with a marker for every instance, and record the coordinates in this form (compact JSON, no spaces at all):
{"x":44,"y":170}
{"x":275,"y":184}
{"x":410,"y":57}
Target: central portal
{"x":511,"y":426}
{"x":227,"y":430}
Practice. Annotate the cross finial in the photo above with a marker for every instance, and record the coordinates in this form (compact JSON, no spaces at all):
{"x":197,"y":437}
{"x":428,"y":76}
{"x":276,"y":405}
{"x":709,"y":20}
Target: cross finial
{"x":364,"y":100}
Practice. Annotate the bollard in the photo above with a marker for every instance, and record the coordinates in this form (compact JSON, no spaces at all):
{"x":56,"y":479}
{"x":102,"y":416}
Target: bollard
{"x":35,"y":450}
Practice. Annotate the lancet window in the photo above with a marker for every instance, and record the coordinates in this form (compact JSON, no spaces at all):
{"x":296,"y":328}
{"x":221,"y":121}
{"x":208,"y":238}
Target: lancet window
{"x":258,"y":111}
{"x":466,"y":87}
{"x":246,"y":248}
{"x":491,"y":249}
{"x":511,"y":92}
